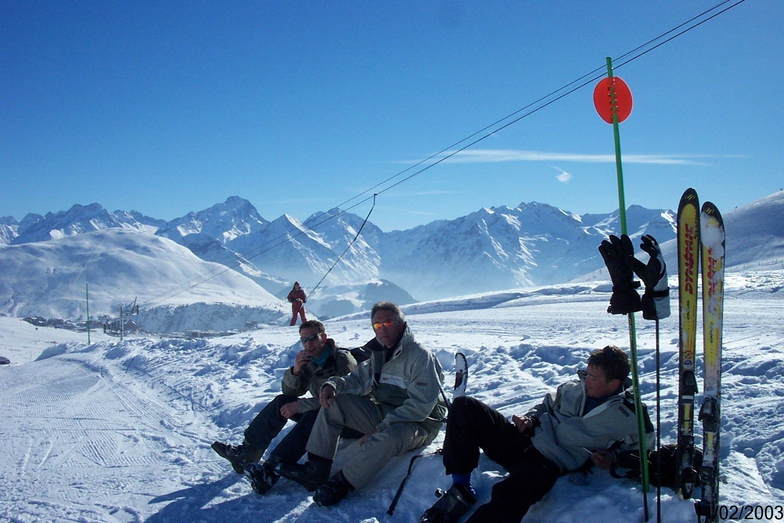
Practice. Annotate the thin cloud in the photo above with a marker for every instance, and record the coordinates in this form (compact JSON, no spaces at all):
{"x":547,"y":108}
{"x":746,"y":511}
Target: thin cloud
{"x":514,"y":155}
{"x":563,"y":176}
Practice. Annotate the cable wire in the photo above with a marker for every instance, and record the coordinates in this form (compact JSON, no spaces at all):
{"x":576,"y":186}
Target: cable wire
{"x":313,"y":292}
{"x":449,"y":151}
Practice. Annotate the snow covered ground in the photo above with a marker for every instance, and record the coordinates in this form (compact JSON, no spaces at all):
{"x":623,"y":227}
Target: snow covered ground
{"x":121,"y":431}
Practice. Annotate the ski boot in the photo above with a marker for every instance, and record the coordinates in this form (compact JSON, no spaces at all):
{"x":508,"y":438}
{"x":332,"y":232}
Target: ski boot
{"x":238,"y":455}
{"x":451,"y":506}
{"x":262,"y":476}
{"x":311,"y":475}
{"x":332,"y":491}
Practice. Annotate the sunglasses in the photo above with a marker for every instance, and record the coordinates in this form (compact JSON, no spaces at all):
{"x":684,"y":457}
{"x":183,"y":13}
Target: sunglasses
{"x":306,"y":339}
{"x":378,"y":324}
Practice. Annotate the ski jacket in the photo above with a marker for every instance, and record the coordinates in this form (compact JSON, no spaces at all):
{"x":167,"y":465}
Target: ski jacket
{"x":296,"y":294}
{"x":311,"y":377}
{"x":407,"y":388}
{"x":567,"y":437}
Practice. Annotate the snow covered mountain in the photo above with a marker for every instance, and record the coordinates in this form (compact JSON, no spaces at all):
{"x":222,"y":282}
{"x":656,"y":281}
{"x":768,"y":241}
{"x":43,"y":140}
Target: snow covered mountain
{"x":48,"y":279}
{"x":339,"y":300}
{"x":227,"y":221}
{"x":293,"y":251}
{"x":9,"y":229}
{"x":502,"y":247}
{"x":77,"y":220}
{"x":490,"y":249}
{"x":754,"y":240}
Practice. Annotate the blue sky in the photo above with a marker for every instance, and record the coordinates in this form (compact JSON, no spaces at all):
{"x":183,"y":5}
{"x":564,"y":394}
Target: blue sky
{"x":167,"y":107}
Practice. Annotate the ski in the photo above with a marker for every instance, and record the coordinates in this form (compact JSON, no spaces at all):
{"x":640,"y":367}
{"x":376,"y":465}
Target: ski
{"x":688,"y":265}
{"x":461,"y":376}
{"x":712,"y":242}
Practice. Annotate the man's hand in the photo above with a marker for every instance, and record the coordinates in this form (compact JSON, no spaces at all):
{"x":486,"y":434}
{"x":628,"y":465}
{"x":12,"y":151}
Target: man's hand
{"x":289,"y":409}
{"x":524,"y":424}
{"x":603,"y":458}
{"x":327,"y":396}
{"x":300,"y":360}
{"x":364,"y":438}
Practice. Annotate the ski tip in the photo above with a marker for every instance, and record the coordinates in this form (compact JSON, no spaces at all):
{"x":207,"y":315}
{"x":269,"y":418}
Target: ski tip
{"x":689,"y":197}
{"x":709,"y":209}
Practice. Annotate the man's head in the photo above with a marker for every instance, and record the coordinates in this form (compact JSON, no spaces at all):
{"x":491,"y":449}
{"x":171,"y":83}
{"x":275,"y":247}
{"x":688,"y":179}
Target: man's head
{"x":389,"y":323}
{"x":608,"y":368}
{"x":313,"y":337}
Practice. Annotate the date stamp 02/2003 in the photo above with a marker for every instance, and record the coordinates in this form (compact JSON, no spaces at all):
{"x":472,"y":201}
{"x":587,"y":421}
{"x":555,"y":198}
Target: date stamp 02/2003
{"x":751,"y":512}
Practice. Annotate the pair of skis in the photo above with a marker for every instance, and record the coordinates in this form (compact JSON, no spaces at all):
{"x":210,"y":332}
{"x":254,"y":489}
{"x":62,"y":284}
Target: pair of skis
{"x":700,"y":239}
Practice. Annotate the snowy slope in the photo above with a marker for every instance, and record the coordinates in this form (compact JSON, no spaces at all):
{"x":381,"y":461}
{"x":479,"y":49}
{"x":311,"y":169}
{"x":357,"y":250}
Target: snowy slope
{"x":209,"y":249}
{"x":48,"y":278}
{"x":121,"y":431}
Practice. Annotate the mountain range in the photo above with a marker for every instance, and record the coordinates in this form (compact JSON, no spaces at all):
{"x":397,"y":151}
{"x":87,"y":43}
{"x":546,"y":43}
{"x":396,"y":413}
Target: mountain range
{"x":490,"y":249}
{"x":532,"y":243}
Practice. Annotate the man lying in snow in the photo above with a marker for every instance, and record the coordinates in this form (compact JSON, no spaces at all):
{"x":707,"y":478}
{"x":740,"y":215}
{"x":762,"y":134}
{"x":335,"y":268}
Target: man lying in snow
{"x":318,"y":361}
{"x":392,"y":398}
{"x":579,"y":422}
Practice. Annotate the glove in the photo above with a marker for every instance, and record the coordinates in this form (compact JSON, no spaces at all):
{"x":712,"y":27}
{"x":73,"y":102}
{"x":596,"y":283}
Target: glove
{"x":656,"y":299}
{"x":616,"y":253}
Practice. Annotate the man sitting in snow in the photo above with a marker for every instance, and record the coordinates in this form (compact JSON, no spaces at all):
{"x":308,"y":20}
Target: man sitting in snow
{"x":318,"y":360}
{"x":579,"y":422}
{"x":393,"y":398}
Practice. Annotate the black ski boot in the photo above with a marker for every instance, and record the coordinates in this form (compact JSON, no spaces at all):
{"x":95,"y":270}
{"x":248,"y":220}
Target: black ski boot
{"x":453,"y":504}
{"x":238,"y":455}
{"x":262,"y":476}
{"x":311,"y":475}
{"x":333,"y":490}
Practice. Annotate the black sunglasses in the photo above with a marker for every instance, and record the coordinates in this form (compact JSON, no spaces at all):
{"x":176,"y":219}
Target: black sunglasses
{"x":306,"y":339}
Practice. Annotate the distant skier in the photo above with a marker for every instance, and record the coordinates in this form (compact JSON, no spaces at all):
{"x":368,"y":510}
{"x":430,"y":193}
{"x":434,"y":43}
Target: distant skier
{"x":575,"y":425}
{"x":297,"y":299}
{"x":318,"y":360}
{"x":393,"y":398}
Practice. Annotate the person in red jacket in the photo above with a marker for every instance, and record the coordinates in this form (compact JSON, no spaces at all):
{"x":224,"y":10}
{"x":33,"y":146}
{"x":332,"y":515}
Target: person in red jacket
{"x":297,"y":299}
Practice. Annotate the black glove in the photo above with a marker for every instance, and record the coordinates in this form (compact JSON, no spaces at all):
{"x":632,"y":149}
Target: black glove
{"x":616,"y":253}
{"x":656,"y":299}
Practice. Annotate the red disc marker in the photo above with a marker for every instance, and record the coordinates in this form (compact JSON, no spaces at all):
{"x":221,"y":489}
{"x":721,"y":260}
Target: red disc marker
{"x":603,"y":99}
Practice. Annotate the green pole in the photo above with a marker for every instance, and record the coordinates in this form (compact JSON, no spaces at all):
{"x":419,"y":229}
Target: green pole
{"x":632,"y":330}
{"x":87,"y":300}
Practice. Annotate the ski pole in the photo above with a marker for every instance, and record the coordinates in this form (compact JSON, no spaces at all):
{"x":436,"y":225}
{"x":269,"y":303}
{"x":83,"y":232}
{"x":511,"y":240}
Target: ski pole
{"x":632,"y":329}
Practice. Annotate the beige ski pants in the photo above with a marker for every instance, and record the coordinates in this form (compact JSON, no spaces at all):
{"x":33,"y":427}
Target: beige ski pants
{"x":367,"y":458}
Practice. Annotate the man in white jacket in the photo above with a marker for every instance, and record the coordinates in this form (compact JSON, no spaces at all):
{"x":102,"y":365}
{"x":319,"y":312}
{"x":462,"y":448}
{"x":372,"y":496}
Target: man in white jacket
{"x":579,"y":422}
{"x":392,"y":398}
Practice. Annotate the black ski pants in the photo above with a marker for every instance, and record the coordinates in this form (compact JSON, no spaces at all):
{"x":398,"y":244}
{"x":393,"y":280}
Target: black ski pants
{"x":268,"y":423}
{"x":471,"y":426}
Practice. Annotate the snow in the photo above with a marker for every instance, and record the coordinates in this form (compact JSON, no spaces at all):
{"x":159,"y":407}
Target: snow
{"x":120,"y":431}
{"x":48,"y":278}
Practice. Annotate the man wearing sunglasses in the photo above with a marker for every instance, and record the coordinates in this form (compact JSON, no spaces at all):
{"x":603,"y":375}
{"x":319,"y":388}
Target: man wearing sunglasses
{"x":392,"y":398}
{"x":318,"y":360}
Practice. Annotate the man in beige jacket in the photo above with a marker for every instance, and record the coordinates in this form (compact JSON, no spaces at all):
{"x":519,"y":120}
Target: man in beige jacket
{"x":392,"y":398}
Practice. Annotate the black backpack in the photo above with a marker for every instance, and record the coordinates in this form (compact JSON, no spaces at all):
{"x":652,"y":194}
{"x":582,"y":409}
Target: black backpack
{"x":664,"y":475}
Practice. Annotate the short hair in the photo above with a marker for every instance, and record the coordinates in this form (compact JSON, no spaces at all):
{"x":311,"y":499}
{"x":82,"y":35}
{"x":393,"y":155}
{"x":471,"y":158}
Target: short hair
{"x":312,"y":324}
{"x":612,"y":360}
{"x":387,"y":306}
